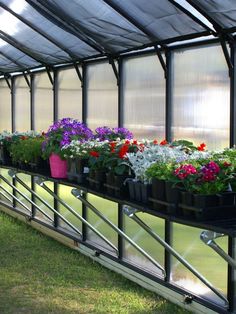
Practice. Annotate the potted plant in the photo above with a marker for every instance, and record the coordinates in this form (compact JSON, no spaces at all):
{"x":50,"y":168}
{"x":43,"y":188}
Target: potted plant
{"x":27,"y":152}
{"x":77,"y":155}
{"x":62,"y":132}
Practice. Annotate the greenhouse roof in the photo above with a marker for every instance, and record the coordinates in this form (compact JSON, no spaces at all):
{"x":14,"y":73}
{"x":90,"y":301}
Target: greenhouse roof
{"x":36,"y":33}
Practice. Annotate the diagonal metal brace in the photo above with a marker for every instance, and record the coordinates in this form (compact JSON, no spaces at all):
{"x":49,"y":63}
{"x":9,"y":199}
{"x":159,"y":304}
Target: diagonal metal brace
{"x":131,"y":213}
{"x":77,"y":193}
{"x":208,"y":238}
{"x":40,"y":181}
{"x":25,"y":197}
{"x":13,"y":173}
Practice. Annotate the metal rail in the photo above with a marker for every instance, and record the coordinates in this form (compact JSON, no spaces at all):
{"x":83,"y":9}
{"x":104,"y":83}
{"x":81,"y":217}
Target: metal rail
{"x":130,"y":212}
{"x":79,"y":195}
{"x":40,"y":182}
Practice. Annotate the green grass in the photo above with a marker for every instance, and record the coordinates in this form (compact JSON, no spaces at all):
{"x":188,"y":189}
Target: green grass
{"x":40,"y":275}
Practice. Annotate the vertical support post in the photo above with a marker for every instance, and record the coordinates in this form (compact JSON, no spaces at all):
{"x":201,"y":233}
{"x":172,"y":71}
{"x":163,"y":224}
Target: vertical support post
{"x":84,"y":93}
{"x":55,"y":95}
{"x":32,"y":126}
{"x":13,"y":104}
{"x":168,"y":95}
{"x":32,"y":98}
{"x":121,"y":227}
{"x":232,"y":276}
{"x":13,"y":124}
{"x":232,"y":140}
{"x":84,"y":87}
{"x":168,"y":240}
{"x":120,"y":94}
{"x":55,"y":205}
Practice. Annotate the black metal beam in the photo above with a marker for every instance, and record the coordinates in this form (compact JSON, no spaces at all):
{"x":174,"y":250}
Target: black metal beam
{"x":161,"y":59}
{"x":50,"y":75}
{"x":168,"y":119}
{"x":61,"y":22}
{"x":7,"y":79}
{"x":232,"y":141}
{"x":115,"y":70}
{"x":43,"y":34}
{"x":193,"y":17}
{"x":80,"y":76}
{"x":27,"y":80}
{"x":13,"y":42}
{"x":227,"y":56}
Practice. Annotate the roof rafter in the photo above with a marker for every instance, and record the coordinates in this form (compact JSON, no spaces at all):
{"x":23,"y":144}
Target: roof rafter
{"x":131,"y":19}
{"x":22,"y":67}
{"x":219,"y":29}
{"x":13,"y":42}
{"x":60,"y":21}
{"x":192,"y":16}
{"x":46,"y":36}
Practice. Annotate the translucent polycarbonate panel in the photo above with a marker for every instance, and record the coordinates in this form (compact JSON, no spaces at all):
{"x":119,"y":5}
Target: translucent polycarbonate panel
{"x":26,"y":194}
{"x":69,"y":94}
{"x":47,"y":198}
{"x":201,"y":96}
{"x":186,"y":241}
{"x":64,"y":192}
{"x":109,"y":210}
{"x":43,"y":103}
{"x":144,"y":97}
{"x":3,"y":195}
{"x":102,"y":96}
{"x":5,"y":106}
{"x":22,"y":105}
{"x":145,"y":241}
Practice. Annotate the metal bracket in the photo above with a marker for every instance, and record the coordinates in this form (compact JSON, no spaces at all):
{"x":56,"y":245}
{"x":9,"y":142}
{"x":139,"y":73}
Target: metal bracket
{"x":50,"y":75}
{"x":175,"y":254}
{"x":77,"y":194}
{"x":80,"y":76}
{"x":115,"y":70}
{"x":226,"y":55}
{"x":27,"y":80}
{"x":161,"y":59}
{"x":208,"y":238}
{"x":6,"y":78}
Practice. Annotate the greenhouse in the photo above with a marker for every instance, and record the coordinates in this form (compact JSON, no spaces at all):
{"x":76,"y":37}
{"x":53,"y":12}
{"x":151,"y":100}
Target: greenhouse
{"x":118,"y":134}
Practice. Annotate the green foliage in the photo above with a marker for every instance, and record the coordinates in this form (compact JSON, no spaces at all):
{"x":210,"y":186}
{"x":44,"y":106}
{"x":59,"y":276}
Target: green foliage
{"x":160,"y":170}
{"x":27,"y":150}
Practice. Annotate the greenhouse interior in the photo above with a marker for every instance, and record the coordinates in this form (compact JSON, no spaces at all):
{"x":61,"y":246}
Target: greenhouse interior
{"x":118,"y":134}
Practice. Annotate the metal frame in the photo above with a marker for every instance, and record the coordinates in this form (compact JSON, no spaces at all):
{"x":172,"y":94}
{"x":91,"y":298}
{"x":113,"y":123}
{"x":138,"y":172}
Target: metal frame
{"x":129,"y":210}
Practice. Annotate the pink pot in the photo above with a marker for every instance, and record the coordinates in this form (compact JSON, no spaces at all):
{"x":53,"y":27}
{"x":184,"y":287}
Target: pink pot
{"x":58,"y":167}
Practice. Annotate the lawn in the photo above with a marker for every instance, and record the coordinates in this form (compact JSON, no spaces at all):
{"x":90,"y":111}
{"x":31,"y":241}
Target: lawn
{"x":40,"y":275}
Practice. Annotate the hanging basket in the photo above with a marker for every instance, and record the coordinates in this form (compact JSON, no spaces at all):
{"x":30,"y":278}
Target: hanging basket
{"x":58,"y":167}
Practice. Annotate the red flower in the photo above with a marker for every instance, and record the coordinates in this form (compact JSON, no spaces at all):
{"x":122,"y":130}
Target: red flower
{"x":164,"y":142}
{"x":112,"y":145}
{"x":155,"y":142}
{"x":127,"y":142}
{"x":94,"y":154}
{"x":123,"y":150}
{"x":135,"y":142}
{"x":201,"y":147}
